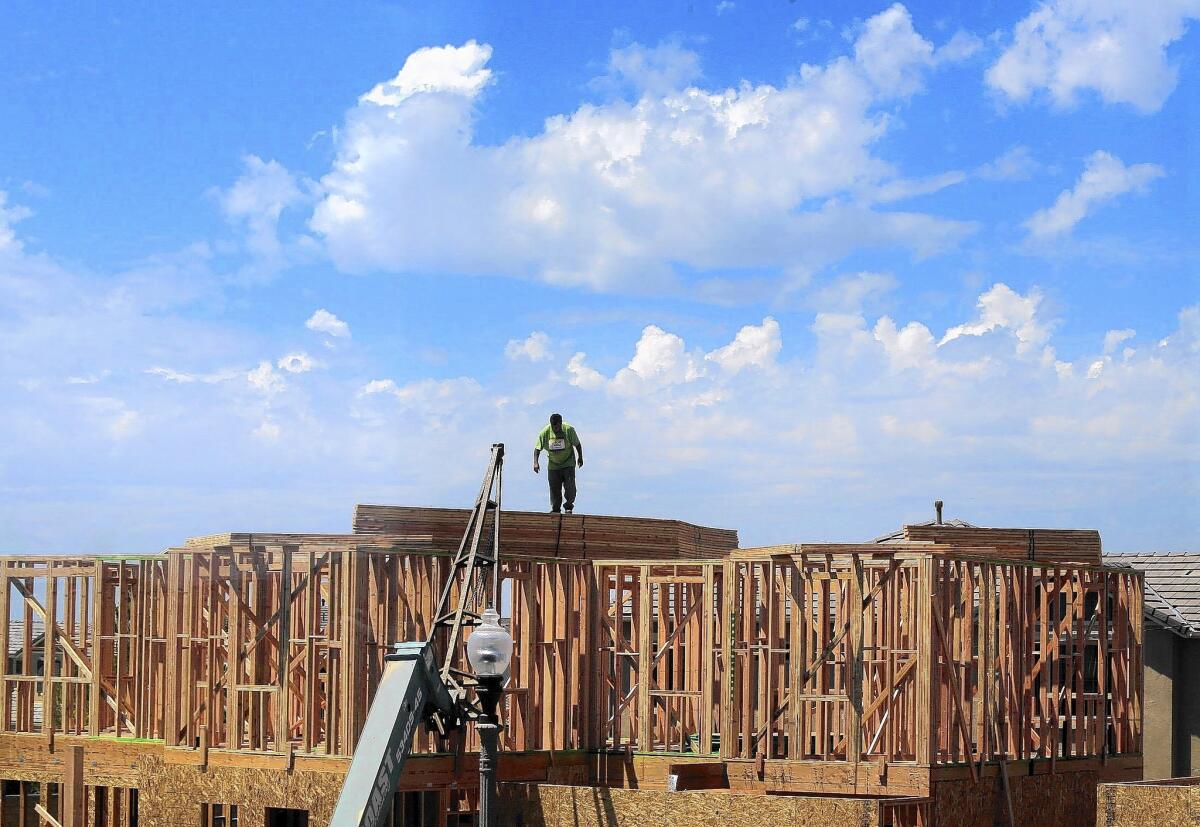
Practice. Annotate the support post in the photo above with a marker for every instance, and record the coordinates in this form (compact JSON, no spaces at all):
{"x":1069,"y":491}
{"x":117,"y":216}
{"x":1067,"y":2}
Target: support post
{"x":49,"y":628}
{"x":283,"y":733}
{"x":645,"y":731}
{"x":5,"y":705}
{"x":73,"y":809}
{"x":854,"y":653}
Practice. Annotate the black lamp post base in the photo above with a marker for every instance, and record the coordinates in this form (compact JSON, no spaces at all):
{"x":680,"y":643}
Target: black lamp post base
{"x":488,"y":727}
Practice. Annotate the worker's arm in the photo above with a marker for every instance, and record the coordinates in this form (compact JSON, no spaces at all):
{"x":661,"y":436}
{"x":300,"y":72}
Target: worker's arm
{"x":579,"y":451}
{"x":536,"y":467}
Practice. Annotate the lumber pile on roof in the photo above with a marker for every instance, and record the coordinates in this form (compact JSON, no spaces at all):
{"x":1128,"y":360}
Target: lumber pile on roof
{"x":539,"y":535}
{"x":542,"y":535}
{"x":1044,"y":545}
{"x":320,"y":542}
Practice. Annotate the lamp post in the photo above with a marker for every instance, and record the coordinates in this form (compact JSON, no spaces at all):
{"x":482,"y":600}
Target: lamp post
{"x":489,"y":650}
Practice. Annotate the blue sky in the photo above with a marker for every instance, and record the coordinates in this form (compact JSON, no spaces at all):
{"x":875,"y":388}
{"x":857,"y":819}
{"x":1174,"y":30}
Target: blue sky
{"x":793,"y":268}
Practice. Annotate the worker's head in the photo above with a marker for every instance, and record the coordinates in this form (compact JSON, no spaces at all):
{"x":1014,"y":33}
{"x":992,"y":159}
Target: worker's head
{"x":556,"y":422}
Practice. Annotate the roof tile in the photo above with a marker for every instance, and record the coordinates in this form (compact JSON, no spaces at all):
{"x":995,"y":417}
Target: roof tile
{"x":1172,"y":587}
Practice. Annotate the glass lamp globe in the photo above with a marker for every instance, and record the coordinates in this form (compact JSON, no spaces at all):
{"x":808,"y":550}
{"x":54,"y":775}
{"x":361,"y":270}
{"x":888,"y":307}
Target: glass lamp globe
{"x":490,"y":646}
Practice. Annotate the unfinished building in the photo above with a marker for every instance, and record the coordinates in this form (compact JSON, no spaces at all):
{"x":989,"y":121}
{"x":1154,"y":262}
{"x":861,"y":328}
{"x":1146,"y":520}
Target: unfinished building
{"x":944,"y":675}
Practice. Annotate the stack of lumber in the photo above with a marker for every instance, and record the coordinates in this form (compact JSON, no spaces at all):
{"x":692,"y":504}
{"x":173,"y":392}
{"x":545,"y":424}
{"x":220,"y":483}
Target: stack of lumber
{"x":310,"y":542}
{"x":1044,"y":545}
{"x":818,"y":550}
{"x":547,"y":536}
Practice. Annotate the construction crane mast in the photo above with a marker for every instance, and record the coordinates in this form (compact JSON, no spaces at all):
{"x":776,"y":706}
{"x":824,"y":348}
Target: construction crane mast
{"x":421,"y":682}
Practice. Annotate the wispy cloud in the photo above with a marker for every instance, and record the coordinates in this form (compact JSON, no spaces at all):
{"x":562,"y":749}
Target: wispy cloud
{"x":1104,"y":178}
{"x":1014,"y":164}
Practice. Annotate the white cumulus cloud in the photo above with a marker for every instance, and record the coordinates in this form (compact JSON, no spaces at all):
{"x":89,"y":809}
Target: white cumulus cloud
{"x":9,"y":216}
{"x":754,"y":346}
{"x":460,"y":70}
{"x":896,"y":59}
{"x":1115,"y":48}
{"x":535,"y":347}
{"x":584,"y":376}
{"x":659,"y":359}
{"x":257,"y":199}
{"x":1104,"y":178}
{"x":265,"y":380}
{"x":322,"y":321}
{"x":627,"y":194}
{"x":911,"y":346}
{"x":1001,"y":307}
{"x":1114,"y":338}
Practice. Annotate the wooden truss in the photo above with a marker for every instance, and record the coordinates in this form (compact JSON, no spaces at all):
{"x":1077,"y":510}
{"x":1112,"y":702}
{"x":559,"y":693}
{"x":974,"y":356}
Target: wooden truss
{"x":840,"y":657}
{"x":868,"y":657}
{"x":89,"y":658}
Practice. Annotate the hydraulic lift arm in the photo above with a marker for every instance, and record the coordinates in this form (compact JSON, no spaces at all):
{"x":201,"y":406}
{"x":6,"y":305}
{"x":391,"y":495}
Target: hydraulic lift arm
{"x":409,"y":692}
{"x":420,"y":682}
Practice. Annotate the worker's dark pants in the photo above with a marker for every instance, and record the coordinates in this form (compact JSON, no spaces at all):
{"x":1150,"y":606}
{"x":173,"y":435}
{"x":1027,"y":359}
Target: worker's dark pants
{"x":562,"y":480}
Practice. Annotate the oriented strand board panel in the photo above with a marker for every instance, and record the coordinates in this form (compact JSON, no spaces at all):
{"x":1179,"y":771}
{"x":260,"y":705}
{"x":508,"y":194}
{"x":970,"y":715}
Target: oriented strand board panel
{"x":1171,"y":803}
{"x":171,"y":794}
{"x":1065,"y":799}
{"x":546,"y":805}
{"x":544,"y":535}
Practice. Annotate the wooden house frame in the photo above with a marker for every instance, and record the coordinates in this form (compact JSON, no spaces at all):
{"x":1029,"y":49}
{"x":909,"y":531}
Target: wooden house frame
{"x":237,"y":669}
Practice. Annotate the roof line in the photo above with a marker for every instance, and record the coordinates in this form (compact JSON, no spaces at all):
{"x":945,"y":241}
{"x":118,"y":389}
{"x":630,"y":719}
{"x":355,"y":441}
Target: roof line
{"x":1169,"y":604}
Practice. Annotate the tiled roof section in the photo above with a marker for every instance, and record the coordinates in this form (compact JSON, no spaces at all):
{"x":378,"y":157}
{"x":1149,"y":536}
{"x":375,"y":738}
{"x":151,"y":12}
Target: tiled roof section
{"x":1172,"y":587}
{"x":16,"y":634}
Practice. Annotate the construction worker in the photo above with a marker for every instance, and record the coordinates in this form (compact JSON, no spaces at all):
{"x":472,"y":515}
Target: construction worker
{"x":561,"y":444}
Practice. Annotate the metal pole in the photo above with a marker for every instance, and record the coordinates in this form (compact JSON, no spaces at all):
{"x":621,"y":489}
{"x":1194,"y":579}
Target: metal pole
{"x":488,"y":726}
{"x":495,"y":604}
{"x":489,"y":737}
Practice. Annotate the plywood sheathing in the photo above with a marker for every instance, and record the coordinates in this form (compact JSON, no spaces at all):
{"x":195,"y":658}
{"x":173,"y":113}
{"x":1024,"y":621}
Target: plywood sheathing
{"x":653,"y":772}
{"x":1062,"y":800}
{"x":1170,"y":803}
{"x":172,"y":783}
{"x":542,"y":535}
{"x":172,"y":794}
{"x":545,"y":805}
